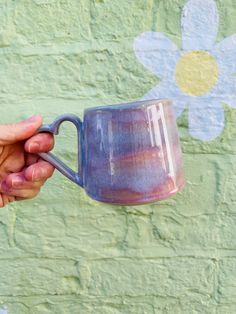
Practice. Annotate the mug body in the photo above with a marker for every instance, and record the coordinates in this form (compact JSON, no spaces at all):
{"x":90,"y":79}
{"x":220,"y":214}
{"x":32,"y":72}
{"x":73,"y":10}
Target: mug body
{"x":131,"y":153}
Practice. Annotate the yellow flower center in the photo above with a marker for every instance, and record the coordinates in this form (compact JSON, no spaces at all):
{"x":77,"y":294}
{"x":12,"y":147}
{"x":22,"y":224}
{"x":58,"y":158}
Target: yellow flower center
{"x":196,"y":72}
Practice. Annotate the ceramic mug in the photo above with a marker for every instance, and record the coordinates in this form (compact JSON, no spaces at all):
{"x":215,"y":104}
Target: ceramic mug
{"x":128,"y":153}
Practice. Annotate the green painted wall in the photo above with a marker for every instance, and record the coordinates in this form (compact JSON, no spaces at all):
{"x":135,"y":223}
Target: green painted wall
{"x":65,"y":253}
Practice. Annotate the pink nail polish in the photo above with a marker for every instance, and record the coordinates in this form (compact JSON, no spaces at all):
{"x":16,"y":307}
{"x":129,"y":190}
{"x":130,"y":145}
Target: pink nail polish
{"x":38,"y":174}
{"x":33,"y":118}
{"x":34,"y":147}
{"x":17,"y":181}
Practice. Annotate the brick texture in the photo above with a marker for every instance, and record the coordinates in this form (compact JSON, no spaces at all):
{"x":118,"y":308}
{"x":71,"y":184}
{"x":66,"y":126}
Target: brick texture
{"x":64,"y":253}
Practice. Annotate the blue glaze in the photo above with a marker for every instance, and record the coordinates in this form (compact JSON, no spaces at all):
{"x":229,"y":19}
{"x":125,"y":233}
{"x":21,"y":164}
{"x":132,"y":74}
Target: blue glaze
{"x":53,"y":128}
{"x":128,"y":153}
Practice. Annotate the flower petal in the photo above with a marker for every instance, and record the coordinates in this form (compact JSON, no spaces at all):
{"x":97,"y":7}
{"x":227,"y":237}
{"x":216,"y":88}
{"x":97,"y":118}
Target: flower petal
{"x":170,"y":91}
{"x":225,"y":53}
{"x":225,"y":90}
{"x":206,"y":118}
{"x":179,"y":105}
{"x":157,"y":53}
{"x":199,"y":24}
{"x":230,"y":101}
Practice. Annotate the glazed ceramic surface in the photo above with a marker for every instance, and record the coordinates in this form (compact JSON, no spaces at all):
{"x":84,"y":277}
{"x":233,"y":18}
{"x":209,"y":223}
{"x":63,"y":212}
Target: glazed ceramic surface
{"x":128,"y":154}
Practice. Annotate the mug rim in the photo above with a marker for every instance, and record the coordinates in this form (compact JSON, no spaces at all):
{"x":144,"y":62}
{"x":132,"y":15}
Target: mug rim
{"x":128,"y":105}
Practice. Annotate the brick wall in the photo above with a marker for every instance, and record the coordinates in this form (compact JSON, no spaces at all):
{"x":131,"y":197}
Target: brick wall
{"x":64,"y":253}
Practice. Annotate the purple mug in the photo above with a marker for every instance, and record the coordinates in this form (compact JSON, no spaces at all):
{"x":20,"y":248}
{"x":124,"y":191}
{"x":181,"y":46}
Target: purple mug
{"x":129,"y":153}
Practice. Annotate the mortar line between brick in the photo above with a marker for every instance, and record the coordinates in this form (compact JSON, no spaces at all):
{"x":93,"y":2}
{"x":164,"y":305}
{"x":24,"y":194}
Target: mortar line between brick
{"x":71,"y":48}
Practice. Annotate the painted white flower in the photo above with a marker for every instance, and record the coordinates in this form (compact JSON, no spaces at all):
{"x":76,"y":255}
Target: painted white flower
{"x":201,"y":75}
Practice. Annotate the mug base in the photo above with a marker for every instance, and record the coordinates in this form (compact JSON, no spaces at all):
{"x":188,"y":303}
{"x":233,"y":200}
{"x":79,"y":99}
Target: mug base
{"x":141,"y":201}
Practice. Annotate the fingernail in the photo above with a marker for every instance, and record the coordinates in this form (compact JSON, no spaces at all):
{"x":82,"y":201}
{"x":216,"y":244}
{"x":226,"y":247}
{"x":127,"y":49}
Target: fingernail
{"x":17,"y":181}
{"x":32,"y":119}
{"x":33,"y":147}
{"x":37,"y":174}
{"x":34,"y":175}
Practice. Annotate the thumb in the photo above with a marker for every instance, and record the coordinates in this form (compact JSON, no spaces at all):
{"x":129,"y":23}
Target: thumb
{"x":12,"y":133}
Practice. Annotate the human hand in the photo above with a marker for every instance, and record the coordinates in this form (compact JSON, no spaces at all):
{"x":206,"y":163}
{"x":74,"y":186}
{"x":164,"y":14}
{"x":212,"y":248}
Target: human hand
{"x":22,"y":171}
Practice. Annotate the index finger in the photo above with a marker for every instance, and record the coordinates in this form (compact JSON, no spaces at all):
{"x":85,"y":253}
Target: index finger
{"x":42,"y":142}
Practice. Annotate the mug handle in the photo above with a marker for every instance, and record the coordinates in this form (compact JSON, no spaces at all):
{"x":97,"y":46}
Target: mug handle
{"x":53,"y":128}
